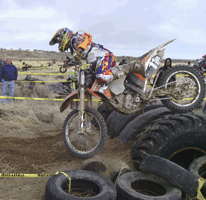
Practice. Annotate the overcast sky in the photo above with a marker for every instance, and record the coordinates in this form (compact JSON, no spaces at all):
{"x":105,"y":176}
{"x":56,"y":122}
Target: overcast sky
{"x":125,"y":27}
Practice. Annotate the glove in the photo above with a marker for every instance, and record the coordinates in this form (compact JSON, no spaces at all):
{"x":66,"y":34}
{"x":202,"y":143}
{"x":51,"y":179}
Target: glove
{"x":77,"y":55}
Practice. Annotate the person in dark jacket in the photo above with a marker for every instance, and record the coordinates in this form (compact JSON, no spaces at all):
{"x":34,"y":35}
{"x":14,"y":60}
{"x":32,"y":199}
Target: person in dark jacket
{"x":167,"y":65}
{"x":8,"y":76}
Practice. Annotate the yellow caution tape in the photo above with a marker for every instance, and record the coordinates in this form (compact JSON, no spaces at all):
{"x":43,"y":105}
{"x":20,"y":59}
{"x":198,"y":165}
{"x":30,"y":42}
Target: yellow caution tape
{"x":70,"y":180}
{"x":199,"y":194}
{"x":39,"y":68}
{"x":86,"y":100}
{"x":28,"y":98}
{"x":36,"y":175}
{"x":24,"y":175}
{"x":44,"y":73}
{"x":65,"y":73}
{"x":42,"y":81}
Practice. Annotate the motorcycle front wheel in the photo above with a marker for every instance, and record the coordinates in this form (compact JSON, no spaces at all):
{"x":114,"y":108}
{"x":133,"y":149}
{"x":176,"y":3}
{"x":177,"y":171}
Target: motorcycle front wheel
{"x":86,"y":139}
{"x":188,"y":88}
{"x":62,"y":69}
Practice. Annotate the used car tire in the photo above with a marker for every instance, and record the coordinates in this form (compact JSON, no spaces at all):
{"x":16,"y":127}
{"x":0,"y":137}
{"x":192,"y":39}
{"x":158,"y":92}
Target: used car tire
{"x":134,"y":185}
{"x":134,"y":127}
{"x":57,"y":186}
{"x":171,"y":172}
{"x":105,"y":109}
{"x":115,"y":175}
{"x":172,"y":136}
{"x":119,"y":121}
{"x":198,"y":167}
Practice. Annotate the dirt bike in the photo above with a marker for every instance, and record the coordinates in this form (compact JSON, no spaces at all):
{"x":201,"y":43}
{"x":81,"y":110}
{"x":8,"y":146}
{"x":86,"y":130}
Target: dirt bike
{"x":181,"y":89}
{"x":67,"y":64}
{"x":26,"y":67}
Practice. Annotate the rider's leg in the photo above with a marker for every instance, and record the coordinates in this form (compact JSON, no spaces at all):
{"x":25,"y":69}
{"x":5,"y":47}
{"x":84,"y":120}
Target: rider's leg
{"x":108,"y":71}
{"x":135,"y":67}
{"x":103,"y":73}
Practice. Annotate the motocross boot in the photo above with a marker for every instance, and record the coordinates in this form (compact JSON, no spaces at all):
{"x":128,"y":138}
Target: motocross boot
{"x":121,"y":70}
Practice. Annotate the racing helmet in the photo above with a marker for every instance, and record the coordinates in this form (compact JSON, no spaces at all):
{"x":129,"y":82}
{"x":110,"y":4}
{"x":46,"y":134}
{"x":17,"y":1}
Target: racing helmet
{"x":62,"y":37}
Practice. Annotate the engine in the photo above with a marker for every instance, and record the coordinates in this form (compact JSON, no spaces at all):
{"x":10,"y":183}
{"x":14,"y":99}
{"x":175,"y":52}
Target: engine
{"x":131,"y":101}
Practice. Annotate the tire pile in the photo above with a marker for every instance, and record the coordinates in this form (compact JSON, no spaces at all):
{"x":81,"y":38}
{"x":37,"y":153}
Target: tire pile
{"x":168,"y":151}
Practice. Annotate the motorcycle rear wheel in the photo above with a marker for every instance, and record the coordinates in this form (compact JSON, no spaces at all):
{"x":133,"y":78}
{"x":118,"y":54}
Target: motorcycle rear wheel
{"x":193,"y":89}
{"x":88,"y":143}
{"x":62,"y":69}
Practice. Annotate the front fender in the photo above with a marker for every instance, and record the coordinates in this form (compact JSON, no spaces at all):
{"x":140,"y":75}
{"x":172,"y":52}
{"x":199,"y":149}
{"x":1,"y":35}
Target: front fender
{"x":68,"y":100}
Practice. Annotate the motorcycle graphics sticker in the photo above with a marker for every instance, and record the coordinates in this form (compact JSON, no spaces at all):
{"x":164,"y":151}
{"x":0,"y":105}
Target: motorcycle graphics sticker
{"x":152,"y":65}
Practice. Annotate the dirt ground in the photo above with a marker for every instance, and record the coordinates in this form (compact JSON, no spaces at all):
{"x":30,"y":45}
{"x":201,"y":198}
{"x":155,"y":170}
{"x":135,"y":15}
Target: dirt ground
{"x":46,"y":154}
{"x":43,"y":151}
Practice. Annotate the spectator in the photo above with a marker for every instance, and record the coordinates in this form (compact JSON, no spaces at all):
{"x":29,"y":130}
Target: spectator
{"x":123,"y":62}
{"x":9,"y":73}
{"x":167,"y":65}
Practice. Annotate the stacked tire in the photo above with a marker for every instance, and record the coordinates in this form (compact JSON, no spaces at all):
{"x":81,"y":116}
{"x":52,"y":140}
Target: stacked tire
{"x":164,"y":145}
{"x":84,"y":185}
{"x":177,"y":137}
{"x":119,"y":125}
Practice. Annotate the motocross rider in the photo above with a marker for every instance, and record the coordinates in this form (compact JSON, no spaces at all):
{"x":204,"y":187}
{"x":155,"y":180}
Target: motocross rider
{"x":101,"y":59}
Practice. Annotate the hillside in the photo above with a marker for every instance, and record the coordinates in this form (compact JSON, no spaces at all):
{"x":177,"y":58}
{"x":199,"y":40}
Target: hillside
{"x":49,"y":55}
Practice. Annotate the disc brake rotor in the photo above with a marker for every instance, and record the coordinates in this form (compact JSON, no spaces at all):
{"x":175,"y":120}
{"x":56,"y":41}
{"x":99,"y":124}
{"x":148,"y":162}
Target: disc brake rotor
{"x":185,"y":88}
{"x":83,"y":133}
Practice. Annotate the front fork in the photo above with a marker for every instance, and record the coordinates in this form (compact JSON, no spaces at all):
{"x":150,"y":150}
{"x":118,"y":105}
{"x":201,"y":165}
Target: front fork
{"x":82,"y":99}
{"x":82,"y":102}
{"x":82,"y":106}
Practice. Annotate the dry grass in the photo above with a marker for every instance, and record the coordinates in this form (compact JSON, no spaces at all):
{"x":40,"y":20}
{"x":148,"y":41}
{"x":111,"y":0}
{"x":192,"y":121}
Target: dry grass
{"x":31,"y":122}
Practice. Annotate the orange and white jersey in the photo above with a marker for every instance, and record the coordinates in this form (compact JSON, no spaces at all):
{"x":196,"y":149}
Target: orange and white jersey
{"x":91,"y":51}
